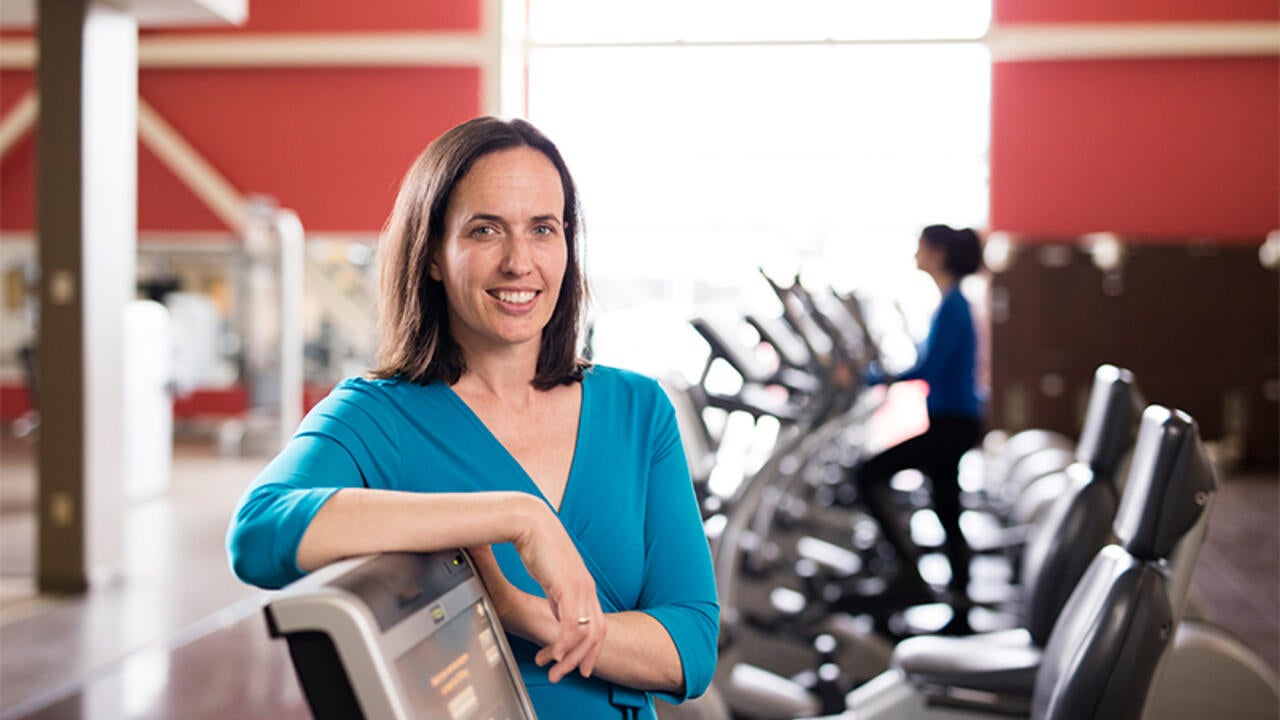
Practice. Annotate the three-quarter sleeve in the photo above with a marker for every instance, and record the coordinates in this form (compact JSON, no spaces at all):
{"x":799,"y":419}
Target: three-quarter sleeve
{"x":679,"y":587}
{"x":346,"y":441}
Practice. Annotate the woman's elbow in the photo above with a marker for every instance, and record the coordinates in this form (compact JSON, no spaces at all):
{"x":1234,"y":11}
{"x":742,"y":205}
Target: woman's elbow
{"x":250,"y":557}
{"x":244,"y":565}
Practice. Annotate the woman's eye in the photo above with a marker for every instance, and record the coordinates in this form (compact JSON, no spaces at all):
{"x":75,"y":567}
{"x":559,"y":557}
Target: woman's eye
{"x":484,"y":231}
{"x":544,"y":230}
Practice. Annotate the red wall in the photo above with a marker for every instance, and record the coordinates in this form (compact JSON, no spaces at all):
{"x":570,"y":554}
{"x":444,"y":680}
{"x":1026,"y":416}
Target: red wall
{"x":1155,"y":147}
{"x":345,"y":16}
{"x":329,"y":142}
{"x":1167,"y":152}
{"x":1040,"y":11}
{"x":332,"y":144}
{"x":17,"y":179}
{"x":1147,"y":147}
{"x":206,"y":404}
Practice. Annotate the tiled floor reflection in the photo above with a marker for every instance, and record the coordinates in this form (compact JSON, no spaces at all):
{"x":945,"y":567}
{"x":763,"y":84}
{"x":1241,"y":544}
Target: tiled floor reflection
{"x":174,"y":579}
{"x":1237,"y":578}
{"x":236,"y":672}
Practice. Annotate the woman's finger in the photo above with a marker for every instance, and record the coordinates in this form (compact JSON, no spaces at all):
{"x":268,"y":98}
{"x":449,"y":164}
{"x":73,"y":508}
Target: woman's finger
{"x":554,"y":651}
{"x":574,"y":640}
{"x":569,"y":663}
{"x":588,"y":641}
{"x":568,"y":634}
{"x":593,"y":625}
{"x":588,"y":664}
{"x":584,"y":656}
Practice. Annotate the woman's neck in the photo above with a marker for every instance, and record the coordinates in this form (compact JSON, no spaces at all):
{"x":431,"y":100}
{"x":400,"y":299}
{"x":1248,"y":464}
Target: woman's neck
{"x":945,"y":281}
{"x":503,"y":376}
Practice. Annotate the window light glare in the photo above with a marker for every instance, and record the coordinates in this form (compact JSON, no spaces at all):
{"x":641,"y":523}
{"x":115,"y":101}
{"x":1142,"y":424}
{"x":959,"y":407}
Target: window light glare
{"x":1269,"y":253}
{"x":997,"y":252}
{"x":693,"y":21}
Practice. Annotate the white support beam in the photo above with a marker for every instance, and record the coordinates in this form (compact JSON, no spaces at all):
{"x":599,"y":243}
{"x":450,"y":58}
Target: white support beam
{"x":184,"y":161}
{"x":513,"y":59}
{"x":1010,"y":43}
{"x":490,"y":41}
{"x":21,"y":118}
{"x":18,"y":53}
{"x":147,"y":13}
{"x":263,"y":50}
{"x":439,"y":49}
{"x":476,"y":49}
{"x":1049,"y":41}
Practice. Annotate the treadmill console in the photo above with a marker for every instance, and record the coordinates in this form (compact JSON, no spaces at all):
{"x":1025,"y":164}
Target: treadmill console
{"x":402,"y":636}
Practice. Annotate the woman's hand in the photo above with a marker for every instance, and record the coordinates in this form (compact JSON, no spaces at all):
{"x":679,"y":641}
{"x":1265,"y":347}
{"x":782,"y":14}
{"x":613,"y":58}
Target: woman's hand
{"x":527,"y":616}
{"x":569,"y":623}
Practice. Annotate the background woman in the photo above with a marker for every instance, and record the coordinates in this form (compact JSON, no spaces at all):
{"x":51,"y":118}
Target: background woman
{"x":947,"y":362}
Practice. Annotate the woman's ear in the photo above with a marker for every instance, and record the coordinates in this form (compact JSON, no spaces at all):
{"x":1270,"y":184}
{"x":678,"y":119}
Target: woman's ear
{"x":433,"y":270}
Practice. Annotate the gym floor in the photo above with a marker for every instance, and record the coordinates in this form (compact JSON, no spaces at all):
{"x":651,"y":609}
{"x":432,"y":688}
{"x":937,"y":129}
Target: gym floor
{"x":176,"y":588}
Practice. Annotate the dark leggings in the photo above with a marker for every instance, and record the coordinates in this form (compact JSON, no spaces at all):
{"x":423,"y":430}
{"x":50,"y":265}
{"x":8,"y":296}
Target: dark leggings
{"x":936,"y":453}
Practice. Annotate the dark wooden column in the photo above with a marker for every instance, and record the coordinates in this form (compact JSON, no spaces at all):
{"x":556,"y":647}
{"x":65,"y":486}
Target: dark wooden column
{"x":87,"y":236}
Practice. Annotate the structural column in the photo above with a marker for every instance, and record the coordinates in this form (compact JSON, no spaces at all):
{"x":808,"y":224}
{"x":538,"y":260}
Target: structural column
{"x":87,"y":236}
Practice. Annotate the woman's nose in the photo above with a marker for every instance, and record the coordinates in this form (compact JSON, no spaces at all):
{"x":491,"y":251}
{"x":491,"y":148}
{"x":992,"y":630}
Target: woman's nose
{"x":517,"y":258}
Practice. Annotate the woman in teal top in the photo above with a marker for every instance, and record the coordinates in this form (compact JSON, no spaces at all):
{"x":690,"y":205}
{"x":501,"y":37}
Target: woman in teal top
{"x":482,"y":429}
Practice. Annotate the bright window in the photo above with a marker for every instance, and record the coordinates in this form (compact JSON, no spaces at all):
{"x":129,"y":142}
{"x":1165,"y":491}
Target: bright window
{"x":758,"y":142}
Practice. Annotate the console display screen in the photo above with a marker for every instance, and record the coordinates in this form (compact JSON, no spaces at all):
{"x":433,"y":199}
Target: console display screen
{"x":458,"y":673}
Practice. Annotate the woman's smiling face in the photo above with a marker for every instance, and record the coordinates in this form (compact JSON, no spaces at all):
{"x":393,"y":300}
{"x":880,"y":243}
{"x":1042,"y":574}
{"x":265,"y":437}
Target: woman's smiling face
{"x":503,"y":256}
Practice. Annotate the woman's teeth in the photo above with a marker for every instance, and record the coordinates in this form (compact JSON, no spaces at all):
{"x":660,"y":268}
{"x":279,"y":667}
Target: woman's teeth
{"x":515,"y":298}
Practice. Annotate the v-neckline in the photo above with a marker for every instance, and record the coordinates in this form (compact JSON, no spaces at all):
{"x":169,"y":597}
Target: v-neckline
{"x":469,"y":413}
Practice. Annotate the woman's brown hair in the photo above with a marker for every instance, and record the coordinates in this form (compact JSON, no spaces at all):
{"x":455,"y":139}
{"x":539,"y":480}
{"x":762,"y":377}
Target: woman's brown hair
{"x":414,"y":342}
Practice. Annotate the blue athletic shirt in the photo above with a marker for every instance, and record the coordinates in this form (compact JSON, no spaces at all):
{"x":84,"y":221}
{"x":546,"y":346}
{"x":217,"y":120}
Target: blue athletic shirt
{"x":628,"y":506}
{"x":948,"y":358}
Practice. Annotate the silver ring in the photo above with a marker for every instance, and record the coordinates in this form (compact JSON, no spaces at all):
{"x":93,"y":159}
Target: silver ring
{"x":584,"y":620}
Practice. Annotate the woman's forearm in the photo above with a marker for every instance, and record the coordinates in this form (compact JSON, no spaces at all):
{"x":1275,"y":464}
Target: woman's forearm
{"x":358,"y":521}
{"x":638,"y":652}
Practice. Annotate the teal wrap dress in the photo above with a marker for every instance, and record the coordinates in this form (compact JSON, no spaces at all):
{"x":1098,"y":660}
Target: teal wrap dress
{"x":628,"y":506}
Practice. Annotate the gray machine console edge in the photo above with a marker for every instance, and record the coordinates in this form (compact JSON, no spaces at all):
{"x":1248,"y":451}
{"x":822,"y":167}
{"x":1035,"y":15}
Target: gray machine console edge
{"x":402,"y":636}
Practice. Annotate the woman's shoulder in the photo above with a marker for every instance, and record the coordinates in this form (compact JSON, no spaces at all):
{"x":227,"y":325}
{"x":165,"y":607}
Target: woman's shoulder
{"x":374,"y":394}
{"x":360,"y":389}
{"x":616,"y":388}
{"x":382,"y":386}
{"x":954,"y":301}
{"x":616,"y":378}
{"x":372,"y":407}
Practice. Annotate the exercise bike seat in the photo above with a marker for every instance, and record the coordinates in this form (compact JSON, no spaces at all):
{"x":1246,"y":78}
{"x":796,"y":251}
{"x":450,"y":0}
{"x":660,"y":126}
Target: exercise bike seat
{"x":1006,"y":662}
{"x":1103,"y":653}
{"x":1169,"y":483}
